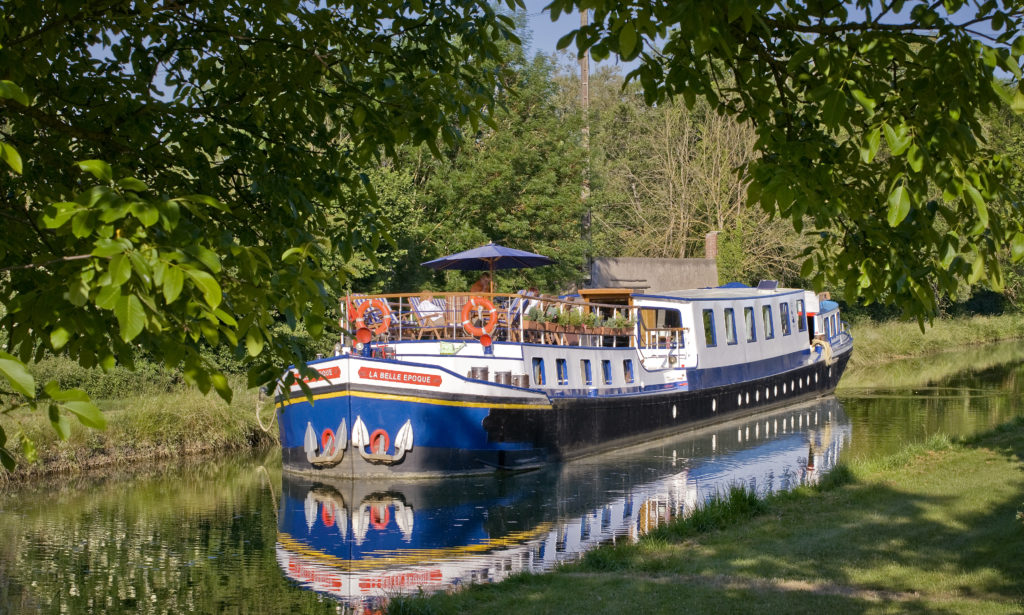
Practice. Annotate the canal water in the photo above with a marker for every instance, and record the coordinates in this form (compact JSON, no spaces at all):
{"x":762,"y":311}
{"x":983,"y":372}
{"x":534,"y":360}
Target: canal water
{"x":236,"y":536}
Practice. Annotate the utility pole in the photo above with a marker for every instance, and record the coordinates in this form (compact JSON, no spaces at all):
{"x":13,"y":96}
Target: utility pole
{"x":585,"y":109}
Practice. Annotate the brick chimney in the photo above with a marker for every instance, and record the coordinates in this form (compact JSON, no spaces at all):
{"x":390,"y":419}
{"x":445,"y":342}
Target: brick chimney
{"x":711,"y":245}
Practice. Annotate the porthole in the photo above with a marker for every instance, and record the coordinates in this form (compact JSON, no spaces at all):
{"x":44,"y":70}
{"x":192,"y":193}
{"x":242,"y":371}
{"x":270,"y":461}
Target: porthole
{"x":776,"y":391}
{"x":783,"y":388}
{"x":748,"y":398}
{"x":739,"y":399}
{"x":815,"y":377}
{"x":830,"y":372}
{"x":673,"y":411}
{"x":757,"y":395}
{"x":767,"y":393}
{"x":714,"y":405}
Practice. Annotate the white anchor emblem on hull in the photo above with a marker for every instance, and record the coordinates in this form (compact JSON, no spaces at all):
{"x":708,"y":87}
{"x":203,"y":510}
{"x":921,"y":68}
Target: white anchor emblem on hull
{"x":333,"y":447}
{"x":361,"y":439}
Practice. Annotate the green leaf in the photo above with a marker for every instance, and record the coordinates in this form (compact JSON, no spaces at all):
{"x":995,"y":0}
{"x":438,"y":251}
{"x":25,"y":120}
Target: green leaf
{"x":174,"y":279}
{"x":834,"y":110}
{"x":864,"y":100}
{"x":60,"y":423}
{"x":120,"y":269}
{"x":220,"y":384}
{"x":54,"y":392}
{"x":87,"y":412}
{"x":872,"y":141}
{"x":108,"y":297}
{"x":9,"y":89}
{"x":915,"y":158}
{"x":979,"y":203}
{"x":28,"y":449}
{"x":6,"y":458}
{"x":17,"y":375}
{"x":99,"y":169}
{"x":11,"y":156}
{"x":131,"y":316}
{"x":627,"y":40}
{"x":208,"y":286}
{"x":59,"y":337}
{"x":898,"y":140}
{"x":253,"y":342}
{"x":109,"y":247}
{"x":1017,"y":247}
{"x":130,"y":183}
{"x":899,"y":204}
{"x":57,"y":214}
{"x":807,"y":268}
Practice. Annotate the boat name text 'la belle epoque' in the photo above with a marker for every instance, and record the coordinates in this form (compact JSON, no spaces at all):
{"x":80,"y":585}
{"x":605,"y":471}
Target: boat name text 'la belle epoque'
{"x":468,"y":383}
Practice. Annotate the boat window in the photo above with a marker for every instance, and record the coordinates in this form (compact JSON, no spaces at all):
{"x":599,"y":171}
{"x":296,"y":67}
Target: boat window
{"x":801,"y":316}
{"x":627,"y":370}
{"x":538,"y":371}
{"x":663,"y":327}
{"x":748,"y":321}
{"x":769,"y":326}
{"x":730,"y":326}
{"x":562,"y":371}
{"x":709,"y":328}
{"x":606,"y":370}
{"x":588,"y":377}
{"x":784,"y":317}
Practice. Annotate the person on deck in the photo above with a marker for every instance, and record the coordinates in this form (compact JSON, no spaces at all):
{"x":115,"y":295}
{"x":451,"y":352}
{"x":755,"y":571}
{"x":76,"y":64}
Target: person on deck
{"x":483,"y":285}
{"x":430,"y":311}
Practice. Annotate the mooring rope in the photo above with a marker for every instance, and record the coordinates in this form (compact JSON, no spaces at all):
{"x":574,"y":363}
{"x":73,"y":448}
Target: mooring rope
{"x":260,"y":400}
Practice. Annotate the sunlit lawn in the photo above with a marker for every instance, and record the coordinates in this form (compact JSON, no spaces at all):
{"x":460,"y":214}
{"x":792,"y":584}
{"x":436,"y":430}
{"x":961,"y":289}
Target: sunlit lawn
{"x":933,"y":530}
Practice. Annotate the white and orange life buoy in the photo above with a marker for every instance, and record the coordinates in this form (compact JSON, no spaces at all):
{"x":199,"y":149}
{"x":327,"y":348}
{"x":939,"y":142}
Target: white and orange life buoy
{"x":382,"y":307}
{"x":467,"y":322}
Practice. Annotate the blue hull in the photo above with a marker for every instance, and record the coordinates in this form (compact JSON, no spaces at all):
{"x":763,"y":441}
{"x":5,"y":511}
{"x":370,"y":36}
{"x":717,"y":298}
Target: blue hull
{"x":512,"y":429}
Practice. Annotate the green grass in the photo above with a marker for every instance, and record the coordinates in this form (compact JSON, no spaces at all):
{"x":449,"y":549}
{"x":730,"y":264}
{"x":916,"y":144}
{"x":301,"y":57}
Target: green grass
{"x":876,"y":343}
{"x":934,"y":529}
{"x":149,"y":425}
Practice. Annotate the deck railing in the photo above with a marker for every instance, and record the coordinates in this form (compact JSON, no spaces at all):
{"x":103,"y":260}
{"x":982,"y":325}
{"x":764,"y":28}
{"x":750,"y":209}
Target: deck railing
{"x":503,"y":317}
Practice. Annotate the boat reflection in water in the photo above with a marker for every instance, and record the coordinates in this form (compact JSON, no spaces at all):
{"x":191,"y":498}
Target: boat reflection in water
{"x":359,"y":541}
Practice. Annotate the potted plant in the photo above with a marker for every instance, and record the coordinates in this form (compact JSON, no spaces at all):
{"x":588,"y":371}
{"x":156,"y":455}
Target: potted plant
{"x":533,"y":319}
{"x":551,"y":317}
{"x":589,"y":323}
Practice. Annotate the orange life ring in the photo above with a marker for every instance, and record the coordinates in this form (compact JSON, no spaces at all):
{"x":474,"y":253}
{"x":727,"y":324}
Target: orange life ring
{"x":492,"y":321}
{"x":327,"y":438}
{"x":377,"y":435}
{"x":385,"y":311}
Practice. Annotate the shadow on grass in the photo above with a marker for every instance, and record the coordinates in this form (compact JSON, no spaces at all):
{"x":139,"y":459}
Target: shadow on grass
{"x":932,"y":530}
{"x":907,"y":536}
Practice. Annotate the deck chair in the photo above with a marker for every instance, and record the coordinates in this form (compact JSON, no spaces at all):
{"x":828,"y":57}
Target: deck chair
{"x":509,"y":318}
{"x":432,"y":321}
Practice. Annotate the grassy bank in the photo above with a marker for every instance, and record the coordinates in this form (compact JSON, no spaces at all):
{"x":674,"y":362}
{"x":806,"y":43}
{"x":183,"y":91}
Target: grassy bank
{"x":150,"y":425}
{"x":935,"y":529}
{"x":876,"y":343}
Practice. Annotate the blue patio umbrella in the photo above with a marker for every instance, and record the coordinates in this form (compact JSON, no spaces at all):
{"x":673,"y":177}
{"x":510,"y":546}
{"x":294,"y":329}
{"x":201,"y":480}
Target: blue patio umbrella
{"x":489,"y":257}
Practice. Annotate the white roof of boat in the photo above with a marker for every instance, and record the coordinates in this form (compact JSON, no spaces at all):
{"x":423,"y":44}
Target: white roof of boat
{"x":706,"y":294}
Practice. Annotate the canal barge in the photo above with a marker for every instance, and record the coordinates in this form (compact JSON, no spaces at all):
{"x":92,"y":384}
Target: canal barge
{"x":474,"y":383}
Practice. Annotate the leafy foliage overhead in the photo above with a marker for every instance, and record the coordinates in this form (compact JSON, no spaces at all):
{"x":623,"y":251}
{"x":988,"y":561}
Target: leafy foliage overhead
{"x":867,"y":116}
{"x":173,"y":169}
